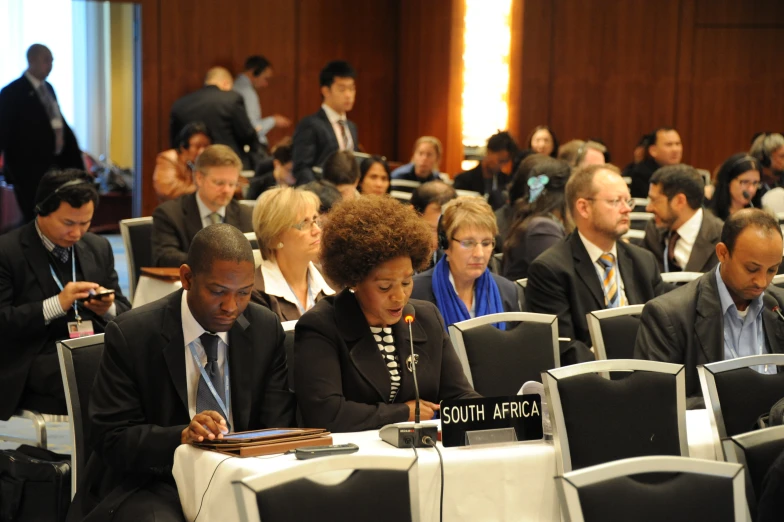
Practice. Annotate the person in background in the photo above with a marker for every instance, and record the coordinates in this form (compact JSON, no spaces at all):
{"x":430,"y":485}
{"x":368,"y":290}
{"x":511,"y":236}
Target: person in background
{"x":374,"y":176}
{"x":173,"y":174}
{"x":591,"y":153}
{"x":288,"y":228}
{"x":428,"y":199}
{"x":542,"y":140}
{"x":257,"y":74}
{"x":341,"y":170}
{"x":664,"y":148}
{"x":541,"y":219}
{"x":352,"y":351}
{"x":638,"y":156}
{"x":488,"y":178}
{"x":328,"y":196}
{"x":518,"y":189}
{"x":461,"y":285}
{"x":424,"y":162}
{"x":568,"y":151}
{"x":736,"y":185}
{"x":282,"y":174}
{"x":768,"y":149}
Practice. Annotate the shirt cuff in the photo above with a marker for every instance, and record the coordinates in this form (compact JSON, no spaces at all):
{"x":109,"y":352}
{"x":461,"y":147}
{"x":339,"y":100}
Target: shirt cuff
{"x":111,"y":313}
{"x":52,"y":309}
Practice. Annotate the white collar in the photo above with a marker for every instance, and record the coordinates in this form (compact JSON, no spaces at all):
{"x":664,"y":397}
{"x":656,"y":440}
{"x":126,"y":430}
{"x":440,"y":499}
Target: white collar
{"x":332,"y":115}
{"x":32,"y":79}
{"x":691,"y":229}
{"x":594,"y":252}
{"x":191,"y":329}
{"x":204,"y":211}
{"x":275,"y":284}
{"x":472,"y":311}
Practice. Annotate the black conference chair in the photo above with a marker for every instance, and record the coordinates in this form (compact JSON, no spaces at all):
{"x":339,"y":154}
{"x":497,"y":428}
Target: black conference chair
{"x":79,"y":362}
{"x":521,"y":284}
{"x":614,"y":331}
{"x":756,"y":451}
{"x":378,"y":488}
{"x":736,"y":394}
{"x":498,"y":362}
{"x":654,"y":489}
{"x":137,"y":238}
{"x":597,"y":419}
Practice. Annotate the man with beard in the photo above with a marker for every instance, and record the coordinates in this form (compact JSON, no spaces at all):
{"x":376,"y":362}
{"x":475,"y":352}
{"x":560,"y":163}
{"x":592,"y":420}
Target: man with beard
{"x":591,"y":270}
{"x":682,"y":236}
{"x":664,"y":148}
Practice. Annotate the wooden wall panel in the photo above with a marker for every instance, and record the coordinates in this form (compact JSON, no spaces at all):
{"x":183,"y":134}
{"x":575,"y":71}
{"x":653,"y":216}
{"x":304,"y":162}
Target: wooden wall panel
{"x":740,"y":12}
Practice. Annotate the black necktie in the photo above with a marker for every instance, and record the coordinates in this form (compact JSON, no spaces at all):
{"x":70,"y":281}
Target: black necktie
{"x":61,"y":253}
{"x":671,"y":261}
{"x":205,"y":400}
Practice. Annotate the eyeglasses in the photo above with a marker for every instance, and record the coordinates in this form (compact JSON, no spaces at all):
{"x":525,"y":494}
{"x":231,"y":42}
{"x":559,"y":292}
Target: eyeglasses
{"x":615,"y":203}
{"x":307,"y":224}
{"x":749,"y":183}
{"x":470,"y":244}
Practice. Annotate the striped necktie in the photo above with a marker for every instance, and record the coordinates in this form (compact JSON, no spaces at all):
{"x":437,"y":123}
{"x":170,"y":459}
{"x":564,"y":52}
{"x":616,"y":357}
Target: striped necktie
{"x":612,"y":294}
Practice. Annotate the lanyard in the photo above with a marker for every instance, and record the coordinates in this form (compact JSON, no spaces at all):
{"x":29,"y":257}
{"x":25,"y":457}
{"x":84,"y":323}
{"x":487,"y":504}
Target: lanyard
{"x":73,"y":278}
{"x":224,"y":407}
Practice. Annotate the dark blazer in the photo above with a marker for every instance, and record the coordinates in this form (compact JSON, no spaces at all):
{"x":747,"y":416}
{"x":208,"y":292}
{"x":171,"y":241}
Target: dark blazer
{"x":27,"y":141}
{"x":342,"y":383}
{"x":139,"y":403}
{"x":686,"y":326}
{"x":703,"y":253}
{"x":563,"y":282}
{"x":314,"y":140}
{"x":641,"y":177}
{"x":541,"y":232}
{"x":174,"y":223}
{"x":423,"y":289}
{"x":25,"y":282}
{"x":223,"y":112}
{"x":473,"y":180}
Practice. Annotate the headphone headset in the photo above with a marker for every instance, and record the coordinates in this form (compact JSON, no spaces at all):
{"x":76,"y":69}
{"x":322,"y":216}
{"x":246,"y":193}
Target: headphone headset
{"x":746,"y":158}
{"x":764,"y":158}
{"x":74,"y":182}
{"x":443,"y":241}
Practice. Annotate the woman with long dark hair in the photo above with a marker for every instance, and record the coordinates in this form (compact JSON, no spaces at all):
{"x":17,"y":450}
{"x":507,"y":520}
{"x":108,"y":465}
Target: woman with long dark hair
{"x":736,"y":185}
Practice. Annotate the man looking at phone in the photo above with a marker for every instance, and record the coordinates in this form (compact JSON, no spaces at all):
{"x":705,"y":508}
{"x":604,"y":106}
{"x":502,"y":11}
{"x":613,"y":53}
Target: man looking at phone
{"x":52,"y":277}
{"x":186,"y":368}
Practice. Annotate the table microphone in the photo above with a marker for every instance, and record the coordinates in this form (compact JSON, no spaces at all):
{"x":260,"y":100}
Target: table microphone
{"x":407,"y":434}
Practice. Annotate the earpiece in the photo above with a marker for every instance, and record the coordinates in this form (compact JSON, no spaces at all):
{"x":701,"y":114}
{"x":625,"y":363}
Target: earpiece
{"x":765,"y":159}
{"x":443,"y":241}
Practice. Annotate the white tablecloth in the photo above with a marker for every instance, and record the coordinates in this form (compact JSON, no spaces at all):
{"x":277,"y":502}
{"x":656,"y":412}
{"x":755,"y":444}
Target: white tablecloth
{"x":150,"y":289}
{"x":505,"y":482}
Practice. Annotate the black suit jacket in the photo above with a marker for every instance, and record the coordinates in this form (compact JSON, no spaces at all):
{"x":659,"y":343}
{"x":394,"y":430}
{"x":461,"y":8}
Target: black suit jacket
{"x":686,"y":326}
{"x":343,"y":384}
{"x":27,"y":140}
{"x":174,"y":223}
{"x":703,"y":253}
{"x":641,"y":177}
{"x":139,"y":403}
{"x":473,"y":180}
{"x":314,"y":140}
{"x":563,"y":281}
{"x":25,"y":282}
{"x":223,"y":112}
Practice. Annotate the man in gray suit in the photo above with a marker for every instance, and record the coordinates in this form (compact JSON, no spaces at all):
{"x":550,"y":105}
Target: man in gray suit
{"x":683,"y":236}
{"x":726,"y":313}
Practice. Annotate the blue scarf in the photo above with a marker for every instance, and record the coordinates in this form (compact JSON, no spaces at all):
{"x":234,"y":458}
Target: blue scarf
{"x":486,"y":295}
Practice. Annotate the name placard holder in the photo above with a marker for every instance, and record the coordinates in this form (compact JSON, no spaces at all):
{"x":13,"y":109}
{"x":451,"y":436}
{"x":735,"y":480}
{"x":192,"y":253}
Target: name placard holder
{"x":497,"y":436}
{"x":491,"y":420}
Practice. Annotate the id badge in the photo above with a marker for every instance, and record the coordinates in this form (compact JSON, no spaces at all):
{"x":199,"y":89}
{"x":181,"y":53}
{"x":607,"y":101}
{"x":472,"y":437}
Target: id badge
{"x":82,"y":329}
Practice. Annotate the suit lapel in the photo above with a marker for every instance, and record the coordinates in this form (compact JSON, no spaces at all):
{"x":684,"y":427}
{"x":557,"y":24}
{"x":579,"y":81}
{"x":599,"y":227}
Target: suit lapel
{"x":772,"y":324}
{"x":87,"y":263}
{"x":240,"y":359}
{"x":626,"y":267}
{"x":192,"y":218}
{"x":708,"y":332}
{"x":333,"y":139}
{"x":704,"y":245}
{"x":233,"y":214}
{"x":585,"y":270}
{"x":174,"y":346}
{"x":38,"y":259}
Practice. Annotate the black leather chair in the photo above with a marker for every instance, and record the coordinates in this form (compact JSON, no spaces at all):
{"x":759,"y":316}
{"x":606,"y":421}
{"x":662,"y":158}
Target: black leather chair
{"x":498,"y":362}
{"x":614,"y":331}
{"x":597,"y":419}
{"x":137,"y":238}
{"x":79,"y":362}
{"x":654,"y":489}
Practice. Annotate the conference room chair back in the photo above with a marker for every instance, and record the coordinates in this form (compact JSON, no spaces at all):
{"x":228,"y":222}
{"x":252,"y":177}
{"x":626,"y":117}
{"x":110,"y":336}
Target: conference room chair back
{"x":639,"y":220}
{"x":498,"y":362}
{"x":79,"y":362}
{"x":403,"y":197}
{"x":736,"y":395}
{"x":404,"y":184}
{"x":597,"y":419}
{"x":640,"y":204}
{"x":634,"y":236}
{"x":521,"y":284}
{"x":137,"y":238}
{"x":778,"y":280}
{"x":248,"y":202}
{"x":755,"y":451}
{"x":654,"y":489}
{"x":254,"y":242}
{"x":614,"y":331}
{"x":334,"y":489}
{"x":680,"y":278}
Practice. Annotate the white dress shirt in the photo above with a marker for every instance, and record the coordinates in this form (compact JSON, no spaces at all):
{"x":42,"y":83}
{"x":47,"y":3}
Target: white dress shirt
{"x":205,"y":212}
{"x":687,"y":236}
{"x":191,"y":332}
{"x":275,"y":284}
{"x":594,"y":252}
{"x":334,"y":117}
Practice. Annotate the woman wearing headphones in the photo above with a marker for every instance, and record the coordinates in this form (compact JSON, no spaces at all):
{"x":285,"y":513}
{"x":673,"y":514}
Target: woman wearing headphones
{"x":736,"y":185}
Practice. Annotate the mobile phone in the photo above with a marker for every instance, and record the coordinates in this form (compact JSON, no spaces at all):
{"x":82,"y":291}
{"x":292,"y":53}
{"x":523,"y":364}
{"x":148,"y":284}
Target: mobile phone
{"x":312,"y":452}
{"x":99,"y":295}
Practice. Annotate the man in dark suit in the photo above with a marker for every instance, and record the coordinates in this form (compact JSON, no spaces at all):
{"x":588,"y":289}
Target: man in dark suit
{"x":664,"y":148}
{"x":176,"y":222}
{"x":591,"y":270}
{"x":319,"y":135}
{"x":223,"y":112}
{"x":487,"y":178}
{"x":151,"y":394}
{"x":47,"y":270}
{"x":682,"y":236}
{"x":34,"y":136}
{"x":728,"y":312}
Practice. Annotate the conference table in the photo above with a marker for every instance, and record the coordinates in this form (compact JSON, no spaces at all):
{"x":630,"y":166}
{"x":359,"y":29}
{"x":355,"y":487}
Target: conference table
{"x":509,"y":482}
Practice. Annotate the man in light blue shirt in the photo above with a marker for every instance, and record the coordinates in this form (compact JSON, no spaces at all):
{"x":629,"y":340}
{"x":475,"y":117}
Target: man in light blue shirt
{"x":256,"y":75}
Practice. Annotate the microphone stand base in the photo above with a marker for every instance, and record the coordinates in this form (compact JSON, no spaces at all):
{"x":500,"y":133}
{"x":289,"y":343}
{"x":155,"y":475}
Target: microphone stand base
{"x":408,"y":434}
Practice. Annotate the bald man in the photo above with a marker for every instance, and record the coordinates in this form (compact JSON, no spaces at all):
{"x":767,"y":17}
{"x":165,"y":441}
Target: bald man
{"x":223,"y":111}
{"x":34,"y":136}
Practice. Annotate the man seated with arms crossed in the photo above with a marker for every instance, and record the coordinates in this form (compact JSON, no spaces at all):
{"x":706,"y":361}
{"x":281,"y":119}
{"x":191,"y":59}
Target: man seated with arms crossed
{"x":48,"y":270}
{"x":591,"y":270}
{"x":176,"y":222}
{"x":726,"y":313}
{"x":682,"y":235}
{"x":151,"y":394}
